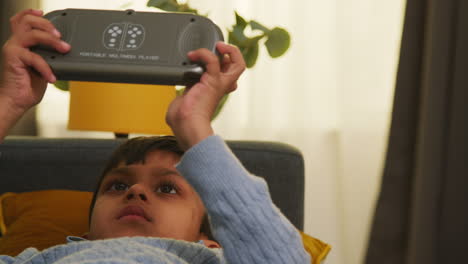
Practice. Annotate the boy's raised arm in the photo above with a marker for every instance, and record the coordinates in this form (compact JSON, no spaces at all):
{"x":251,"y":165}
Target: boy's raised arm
{"x":25,"y":74}
{"x":244,"y":219}
{"x":189,"y":115}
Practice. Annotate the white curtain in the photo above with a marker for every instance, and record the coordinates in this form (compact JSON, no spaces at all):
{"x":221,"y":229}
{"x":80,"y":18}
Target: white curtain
{"x":330,"y":96}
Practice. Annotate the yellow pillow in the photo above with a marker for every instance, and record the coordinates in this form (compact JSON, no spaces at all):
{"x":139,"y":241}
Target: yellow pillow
{"x":316,"y":248}
{"x":43,"y":219}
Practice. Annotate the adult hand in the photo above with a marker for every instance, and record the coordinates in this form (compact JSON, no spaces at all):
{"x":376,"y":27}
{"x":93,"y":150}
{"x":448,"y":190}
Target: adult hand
{"x":189,"y":115}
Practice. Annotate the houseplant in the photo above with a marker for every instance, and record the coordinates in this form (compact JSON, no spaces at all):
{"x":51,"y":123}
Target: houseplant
{"x":277,"y":39}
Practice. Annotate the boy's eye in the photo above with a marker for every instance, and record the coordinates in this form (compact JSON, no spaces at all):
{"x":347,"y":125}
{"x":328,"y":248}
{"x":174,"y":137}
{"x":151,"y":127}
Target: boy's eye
{"x":167,"y":188}
{"x":118,"y":186}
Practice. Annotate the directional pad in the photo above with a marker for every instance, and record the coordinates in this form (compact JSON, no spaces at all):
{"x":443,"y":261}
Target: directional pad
{"x":113,"y":35}
{"x":134,"y":37}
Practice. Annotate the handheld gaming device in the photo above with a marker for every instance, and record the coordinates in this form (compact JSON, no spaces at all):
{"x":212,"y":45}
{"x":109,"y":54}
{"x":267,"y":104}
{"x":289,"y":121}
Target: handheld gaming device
{"x":129,"y":46}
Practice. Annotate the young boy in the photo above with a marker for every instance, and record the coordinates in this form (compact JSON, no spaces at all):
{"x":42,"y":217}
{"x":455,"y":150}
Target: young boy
{"x":153,"y":197}
{"x":140,"y":170}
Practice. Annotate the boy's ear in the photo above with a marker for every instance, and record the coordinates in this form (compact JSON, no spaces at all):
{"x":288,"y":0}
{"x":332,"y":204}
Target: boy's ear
{"x":209,"y":243}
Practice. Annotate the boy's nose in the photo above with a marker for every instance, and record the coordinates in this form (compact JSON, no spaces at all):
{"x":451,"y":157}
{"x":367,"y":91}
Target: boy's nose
{"x":142,"y":196}
{"x":137,"y":191}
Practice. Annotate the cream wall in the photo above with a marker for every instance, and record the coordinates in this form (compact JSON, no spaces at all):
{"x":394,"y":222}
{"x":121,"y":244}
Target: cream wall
{"x":330,"y":96}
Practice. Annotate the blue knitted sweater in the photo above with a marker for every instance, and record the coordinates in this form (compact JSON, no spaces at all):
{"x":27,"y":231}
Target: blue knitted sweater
{"x":244,"y":220}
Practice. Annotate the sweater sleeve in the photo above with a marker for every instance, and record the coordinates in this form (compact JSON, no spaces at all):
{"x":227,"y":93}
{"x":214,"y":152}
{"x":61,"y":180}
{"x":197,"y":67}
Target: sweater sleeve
{"x":6,"y":259}
{"x":20,"y":258}
{"x":246,"y":223}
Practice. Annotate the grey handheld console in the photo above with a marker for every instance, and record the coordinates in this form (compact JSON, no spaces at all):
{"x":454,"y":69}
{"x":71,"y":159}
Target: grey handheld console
{"x":129,"y":46}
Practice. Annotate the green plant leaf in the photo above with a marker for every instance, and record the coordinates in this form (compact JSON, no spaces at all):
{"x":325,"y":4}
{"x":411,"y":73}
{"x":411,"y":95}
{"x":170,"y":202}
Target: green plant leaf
{"x":278,"y":42}
{"x":62,"y":85}
{"x":185,"y":8}
{"x":240,"y":21}
{"x":166,"y":5}
{"x":248,"y":46}
{"x":250,"y":53}
{"x":237,"y":37}
{"x":156,"y":3}
{"x":257,"y":26}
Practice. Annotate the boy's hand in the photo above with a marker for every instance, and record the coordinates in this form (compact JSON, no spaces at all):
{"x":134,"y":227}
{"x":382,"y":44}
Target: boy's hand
{"x":189,"y":115}
{"x":21,"y":87}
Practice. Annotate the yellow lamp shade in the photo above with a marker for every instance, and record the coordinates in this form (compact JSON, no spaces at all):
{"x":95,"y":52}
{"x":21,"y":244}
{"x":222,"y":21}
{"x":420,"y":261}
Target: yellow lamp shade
{"x":120,"y":108}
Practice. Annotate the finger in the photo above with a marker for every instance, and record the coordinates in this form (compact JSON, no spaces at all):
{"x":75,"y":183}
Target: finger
{"x":210,"y":60}
{"x":35,"y":61}
{"x":36,"y":37}
{"x":16,"y":20}
{"x":237,"y":63}
{"x":35,"y":22}
{"x":226,"y":63}
{"x":233,"y":51}
{"x":233,"y":87}
{"x":30,"y":11}
{"x":30,"y":22}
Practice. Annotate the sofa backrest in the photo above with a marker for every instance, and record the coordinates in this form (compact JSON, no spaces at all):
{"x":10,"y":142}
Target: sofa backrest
{"x":32,"y":164}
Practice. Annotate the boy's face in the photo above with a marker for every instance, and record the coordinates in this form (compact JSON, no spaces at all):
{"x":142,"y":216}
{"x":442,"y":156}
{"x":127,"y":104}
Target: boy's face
{"x":150,"y":199}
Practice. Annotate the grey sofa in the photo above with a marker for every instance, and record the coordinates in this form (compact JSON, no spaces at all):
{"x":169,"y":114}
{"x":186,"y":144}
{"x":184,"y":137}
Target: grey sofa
{"x":31,"y":163}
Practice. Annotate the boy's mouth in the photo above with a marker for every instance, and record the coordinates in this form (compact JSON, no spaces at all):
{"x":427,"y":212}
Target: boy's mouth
{"x":133,"y":212}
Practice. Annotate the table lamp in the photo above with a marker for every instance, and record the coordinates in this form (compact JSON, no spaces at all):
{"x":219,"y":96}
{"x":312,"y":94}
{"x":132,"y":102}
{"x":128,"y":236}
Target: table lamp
{"x":120,"y":108}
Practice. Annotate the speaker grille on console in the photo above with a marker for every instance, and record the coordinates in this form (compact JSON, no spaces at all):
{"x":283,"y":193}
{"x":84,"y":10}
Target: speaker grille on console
{"x":194,"y":37}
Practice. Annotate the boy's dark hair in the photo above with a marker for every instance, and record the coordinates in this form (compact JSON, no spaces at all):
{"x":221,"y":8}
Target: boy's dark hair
{"x":134,"y":151}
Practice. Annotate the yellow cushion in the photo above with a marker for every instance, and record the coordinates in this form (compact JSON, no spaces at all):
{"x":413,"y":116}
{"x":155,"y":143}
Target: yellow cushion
{"x":45,"y":218}
{"x":41,"y":219}
{"x":316,"y":248}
